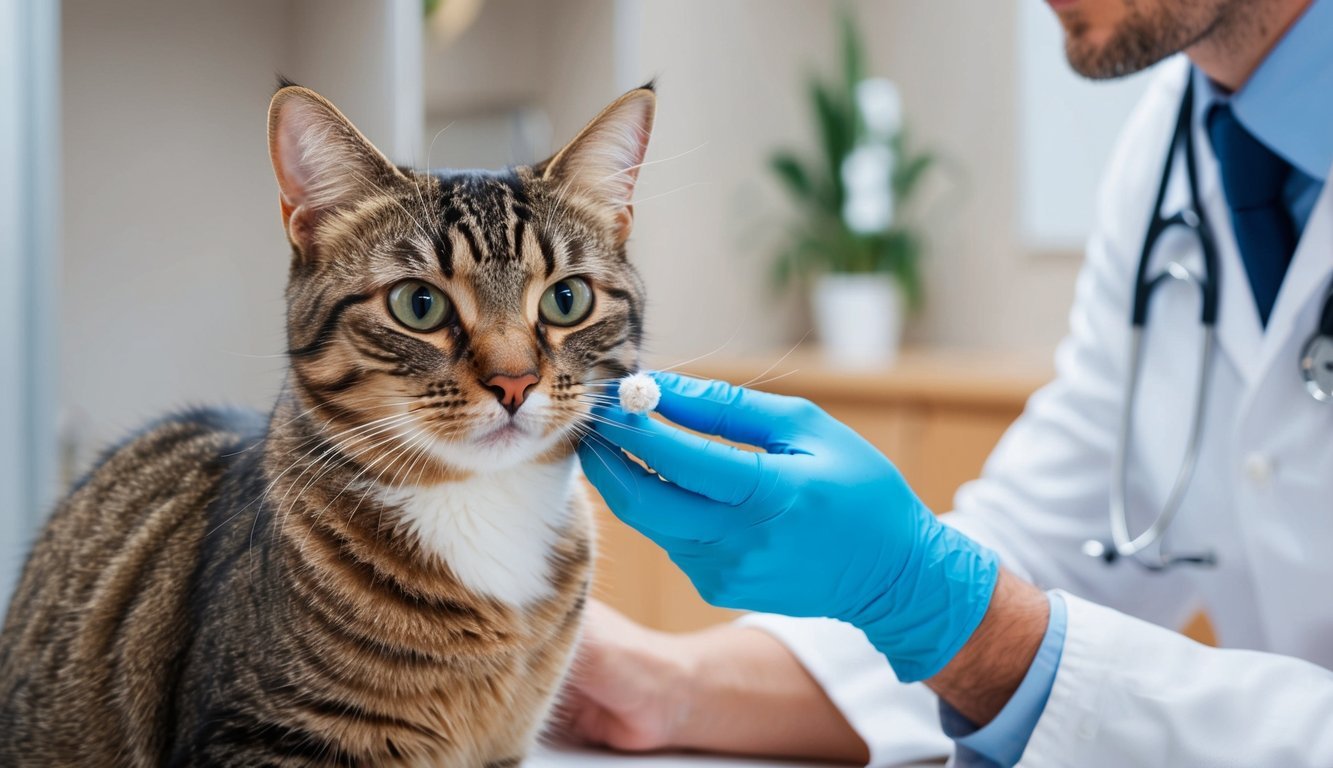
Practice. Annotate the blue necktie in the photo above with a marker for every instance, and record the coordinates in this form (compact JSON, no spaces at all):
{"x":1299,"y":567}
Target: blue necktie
{"x":1253,"y":178}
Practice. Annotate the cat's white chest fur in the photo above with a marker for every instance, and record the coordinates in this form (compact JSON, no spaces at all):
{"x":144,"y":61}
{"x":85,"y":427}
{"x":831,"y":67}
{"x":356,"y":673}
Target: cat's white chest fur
{"x":494,"y":530}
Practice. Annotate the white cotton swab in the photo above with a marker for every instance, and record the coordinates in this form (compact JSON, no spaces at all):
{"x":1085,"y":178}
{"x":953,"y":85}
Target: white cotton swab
{"x":639,"y":393}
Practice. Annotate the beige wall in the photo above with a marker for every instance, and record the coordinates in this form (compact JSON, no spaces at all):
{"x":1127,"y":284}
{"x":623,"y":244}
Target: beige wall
{"x":731,"y":80}
{"x":174,"y":255}
{"x":956,"y":64}
{"x":707,"y":215}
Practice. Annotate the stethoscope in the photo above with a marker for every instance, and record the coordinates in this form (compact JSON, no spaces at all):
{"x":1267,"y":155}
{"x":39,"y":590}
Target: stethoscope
{"x":1316,"y":362}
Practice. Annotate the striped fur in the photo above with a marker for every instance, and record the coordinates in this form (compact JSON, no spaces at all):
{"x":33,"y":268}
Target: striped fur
{"x":390,"y":567}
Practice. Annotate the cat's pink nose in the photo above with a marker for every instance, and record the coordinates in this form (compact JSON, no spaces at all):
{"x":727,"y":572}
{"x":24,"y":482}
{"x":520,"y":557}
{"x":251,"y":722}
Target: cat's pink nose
{"x":511,"y":390}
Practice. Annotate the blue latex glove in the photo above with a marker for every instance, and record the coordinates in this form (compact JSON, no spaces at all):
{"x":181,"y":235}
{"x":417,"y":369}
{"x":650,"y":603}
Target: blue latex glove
{"x":820,"y":524}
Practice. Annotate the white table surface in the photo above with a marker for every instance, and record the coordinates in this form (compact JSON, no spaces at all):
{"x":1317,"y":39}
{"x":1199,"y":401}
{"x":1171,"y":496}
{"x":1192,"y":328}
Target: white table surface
{"x":571,"y":757}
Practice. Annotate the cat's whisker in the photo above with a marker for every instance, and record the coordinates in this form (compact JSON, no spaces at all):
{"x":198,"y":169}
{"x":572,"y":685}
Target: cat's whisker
{"x":251,"y":356}
{"x":356,"y":476}
{"x":616,"y":451}
{"x":619,"y":425}
{"x":659,"y":161}
{"x":347,"y":454}
{"x":407,"y":442}
{"x":598,"y":399}
{"x":771,"y":379}
{"x":778,"y":362}
{"x":421,"y":449}
{"x":263,"y":495}
{"x":431,"y":147}
{"x":561,"y":191}
{"x":389,"y":196}
{"x":327,"y":439}
{"x":384,"y":435}
{"x":681,"y":188}
{"x":705,"y":355}
{"x":419,"y":452}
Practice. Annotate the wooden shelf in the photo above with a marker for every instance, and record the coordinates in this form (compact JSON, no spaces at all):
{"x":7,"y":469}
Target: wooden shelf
{"x":945,"y":377}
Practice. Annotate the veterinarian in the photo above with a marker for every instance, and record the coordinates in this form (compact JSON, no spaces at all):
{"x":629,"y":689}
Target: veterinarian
{"x":1181,"y":460}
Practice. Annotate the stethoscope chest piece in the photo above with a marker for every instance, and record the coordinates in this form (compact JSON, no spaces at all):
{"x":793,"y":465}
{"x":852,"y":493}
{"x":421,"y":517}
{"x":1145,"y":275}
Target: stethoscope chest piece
{"x":1317,"y":367}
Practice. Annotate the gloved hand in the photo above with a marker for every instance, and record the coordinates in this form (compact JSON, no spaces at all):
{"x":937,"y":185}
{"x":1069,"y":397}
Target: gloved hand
{"x":819,"y":524}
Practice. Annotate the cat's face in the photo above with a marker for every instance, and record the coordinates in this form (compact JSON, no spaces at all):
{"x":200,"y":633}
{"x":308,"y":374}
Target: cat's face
{"x":461,"y":321}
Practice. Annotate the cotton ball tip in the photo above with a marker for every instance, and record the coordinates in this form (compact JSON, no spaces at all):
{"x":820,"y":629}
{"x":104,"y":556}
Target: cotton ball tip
{"x":639,"y":393}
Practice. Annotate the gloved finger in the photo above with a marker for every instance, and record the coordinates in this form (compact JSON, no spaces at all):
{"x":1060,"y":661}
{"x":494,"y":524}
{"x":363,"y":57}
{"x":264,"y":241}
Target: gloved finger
{"x":721,"y":472}
{"x":717,"y":408}
{"x":669,"y":515}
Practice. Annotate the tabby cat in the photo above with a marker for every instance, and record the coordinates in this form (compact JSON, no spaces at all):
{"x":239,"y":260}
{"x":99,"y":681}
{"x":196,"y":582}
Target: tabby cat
{"x":390,"y":567}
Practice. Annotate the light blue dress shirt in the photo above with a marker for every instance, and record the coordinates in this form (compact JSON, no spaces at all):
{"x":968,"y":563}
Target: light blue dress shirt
{"x":1288,"y":105}
{"x":1003,"y":740}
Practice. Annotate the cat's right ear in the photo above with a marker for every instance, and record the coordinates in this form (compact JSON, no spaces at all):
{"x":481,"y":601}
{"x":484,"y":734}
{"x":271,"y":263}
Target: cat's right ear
{"x":322,"y":162}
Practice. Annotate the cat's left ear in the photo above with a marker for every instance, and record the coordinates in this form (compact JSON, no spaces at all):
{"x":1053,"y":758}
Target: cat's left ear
{"x":603,"y":159}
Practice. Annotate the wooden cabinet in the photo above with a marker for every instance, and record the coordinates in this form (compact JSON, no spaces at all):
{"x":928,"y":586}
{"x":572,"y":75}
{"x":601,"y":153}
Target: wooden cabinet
{"x":936,"y":414}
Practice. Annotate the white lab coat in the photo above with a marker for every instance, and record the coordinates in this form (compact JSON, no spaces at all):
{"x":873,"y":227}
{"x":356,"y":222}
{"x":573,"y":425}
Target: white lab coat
{"x":1129,"y":692}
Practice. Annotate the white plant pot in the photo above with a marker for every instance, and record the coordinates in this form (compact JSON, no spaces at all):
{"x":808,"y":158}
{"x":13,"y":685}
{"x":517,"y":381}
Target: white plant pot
{"x":859,"y":319}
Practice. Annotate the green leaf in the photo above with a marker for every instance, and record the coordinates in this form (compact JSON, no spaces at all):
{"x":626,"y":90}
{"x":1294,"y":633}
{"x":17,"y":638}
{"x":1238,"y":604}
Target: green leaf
{"x":906,"y":254}
{"x":837,"y":132}
{"x":853,"y":56}
{"x":909,"y":171}
{"x":792,"y":172}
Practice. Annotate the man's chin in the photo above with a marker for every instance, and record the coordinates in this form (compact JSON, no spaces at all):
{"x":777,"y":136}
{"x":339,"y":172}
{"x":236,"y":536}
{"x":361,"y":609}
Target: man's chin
{"x":1106,"y":48}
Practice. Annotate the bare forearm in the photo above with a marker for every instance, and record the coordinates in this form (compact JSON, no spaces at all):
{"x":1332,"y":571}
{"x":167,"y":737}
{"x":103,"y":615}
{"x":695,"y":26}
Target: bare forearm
{"x":980,"y":680}
{"x":749,"y":695}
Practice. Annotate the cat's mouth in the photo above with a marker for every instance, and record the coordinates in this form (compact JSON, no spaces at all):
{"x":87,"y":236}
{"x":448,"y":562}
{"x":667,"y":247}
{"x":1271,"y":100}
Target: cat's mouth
{"x":503,"y":436}
{"x":495,"y":439}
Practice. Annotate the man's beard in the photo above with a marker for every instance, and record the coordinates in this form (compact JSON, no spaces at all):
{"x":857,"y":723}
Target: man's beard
{"x":1141,"y":40}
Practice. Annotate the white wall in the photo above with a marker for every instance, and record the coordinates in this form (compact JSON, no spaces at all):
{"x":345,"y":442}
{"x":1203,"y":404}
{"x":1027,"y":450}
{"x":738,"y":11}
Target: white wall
{"x":176,"y":259}
{"x":1067,"y":128}
{"x":956,"y":62}
{"x":366,"y":58}
{"x":175,"y":264}
{"x":731,"y":79}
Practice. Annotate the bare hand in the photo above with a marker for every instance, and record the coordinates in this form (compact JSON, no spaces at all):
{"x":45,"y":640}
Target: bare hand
{"x":726,"y":689}
{"x":629,"y":687}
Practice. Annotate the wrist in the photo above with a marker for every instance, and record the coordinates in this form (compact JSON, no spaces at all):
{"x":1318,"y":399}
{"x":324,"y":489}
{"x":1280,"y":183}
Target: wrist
{"x":748,"y":694}
{"x":700,"y":676}
{"x":674,"y":661}
{"x":986,"y":672}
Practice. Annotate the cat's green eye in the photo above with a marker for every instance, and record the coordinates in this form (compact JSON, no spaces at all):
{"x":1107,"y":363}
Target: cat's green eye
{"x":567,"y":302}
{"x":419,"y":306}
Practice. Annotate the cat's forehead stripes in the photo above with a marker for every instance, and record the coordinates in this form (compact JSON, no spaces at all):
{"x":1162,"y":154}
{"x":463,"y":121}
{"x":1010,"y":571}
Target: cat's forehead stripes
{"x":488,"y":210}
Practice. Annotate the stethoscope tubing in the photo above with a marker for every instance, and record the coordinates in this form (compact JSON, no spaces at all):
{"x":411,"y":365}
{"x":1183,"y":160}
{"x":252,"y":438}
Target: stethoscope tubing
{"x":1123,"y":544}
{"x":1192,"y":218}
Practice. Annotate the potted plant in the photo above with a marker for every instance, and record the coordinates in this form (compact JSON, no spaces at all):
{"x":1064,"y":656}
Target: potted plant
{"x":852,"y":243}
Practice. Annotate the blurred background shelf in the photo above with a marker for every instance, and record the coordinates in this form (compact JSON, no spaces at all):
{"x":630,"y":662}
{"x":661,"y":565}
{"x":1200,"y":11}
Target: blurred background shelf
{"x":937,"y":414}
